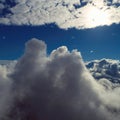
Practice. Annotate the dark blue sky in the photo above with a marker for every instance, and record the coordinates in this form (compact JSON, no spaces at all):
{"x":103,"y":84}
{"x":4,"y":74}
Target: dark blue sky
{"x":103,"y":41}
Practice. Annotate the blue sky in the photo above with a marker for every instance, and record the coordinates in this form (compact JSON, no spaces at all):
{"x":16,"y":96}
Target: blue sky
{"x":91,"y":26}
{"x":95,"y":43}
{"x":60,"y":86}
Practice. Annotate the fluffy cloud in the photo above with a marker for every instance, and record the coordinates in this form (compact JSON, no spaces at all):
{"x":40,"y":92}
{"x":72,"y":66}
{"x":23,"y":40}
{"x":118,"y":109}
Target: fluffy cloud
{"x":5,"y":87}
{"x":116,"y":1}
{"x":105,"y":69}
{"x":107,"y":73}
{"x":55,"y":87}
{"x":64,"y":13}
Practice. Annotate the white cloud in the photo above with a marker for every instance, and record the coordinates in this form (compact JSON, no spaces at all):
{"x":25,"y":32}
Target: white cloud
{"x":56,"y":87}
{"x":64,"y":13}
{"x":105,"y":68}
{"x":5,"y":87}
{"x":116,"y":1}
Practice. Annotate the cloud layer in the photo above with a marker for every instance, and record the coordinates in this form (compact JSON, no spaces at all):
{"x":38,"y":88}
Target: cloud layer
{"x":54,"y":87}
{"x":64,"y":13}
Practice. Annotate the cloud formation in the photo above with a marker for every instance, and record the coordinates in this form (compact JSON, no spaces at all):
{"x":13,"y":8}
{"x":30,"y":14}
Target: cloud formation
{"x":105,"y":69}
{"x":55,"y":87}
{"x":66,"y":14}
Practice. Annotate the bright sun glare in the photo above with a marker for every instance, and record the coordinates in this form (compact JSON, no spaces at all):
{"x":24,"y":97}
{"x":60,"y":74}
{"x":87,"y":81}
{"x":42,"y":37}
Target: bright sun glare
{"x":96,"y":17}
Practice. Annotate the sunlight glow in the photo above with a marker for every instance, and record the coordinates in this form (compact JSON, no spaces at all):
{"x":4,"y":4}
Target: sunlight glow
{"x":97,"y":17}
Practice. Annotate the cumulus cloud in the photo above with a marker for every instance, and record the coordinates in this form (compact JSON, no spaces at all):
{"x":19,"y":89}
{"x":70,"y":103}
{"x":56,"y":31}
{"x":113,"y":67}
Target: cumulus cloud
{"x":107,"y":73}
{"x":105,"y":69}
{"x":116,"y":1}
{"x":56,"y":87}
{"x":5,"y":87}
{"x":64,"y":13}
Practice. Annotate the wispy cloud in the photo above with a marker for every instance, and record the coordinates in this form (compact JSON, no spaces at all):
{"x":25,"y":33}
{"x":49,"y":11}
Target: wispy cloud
{"x":64,"y":13}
